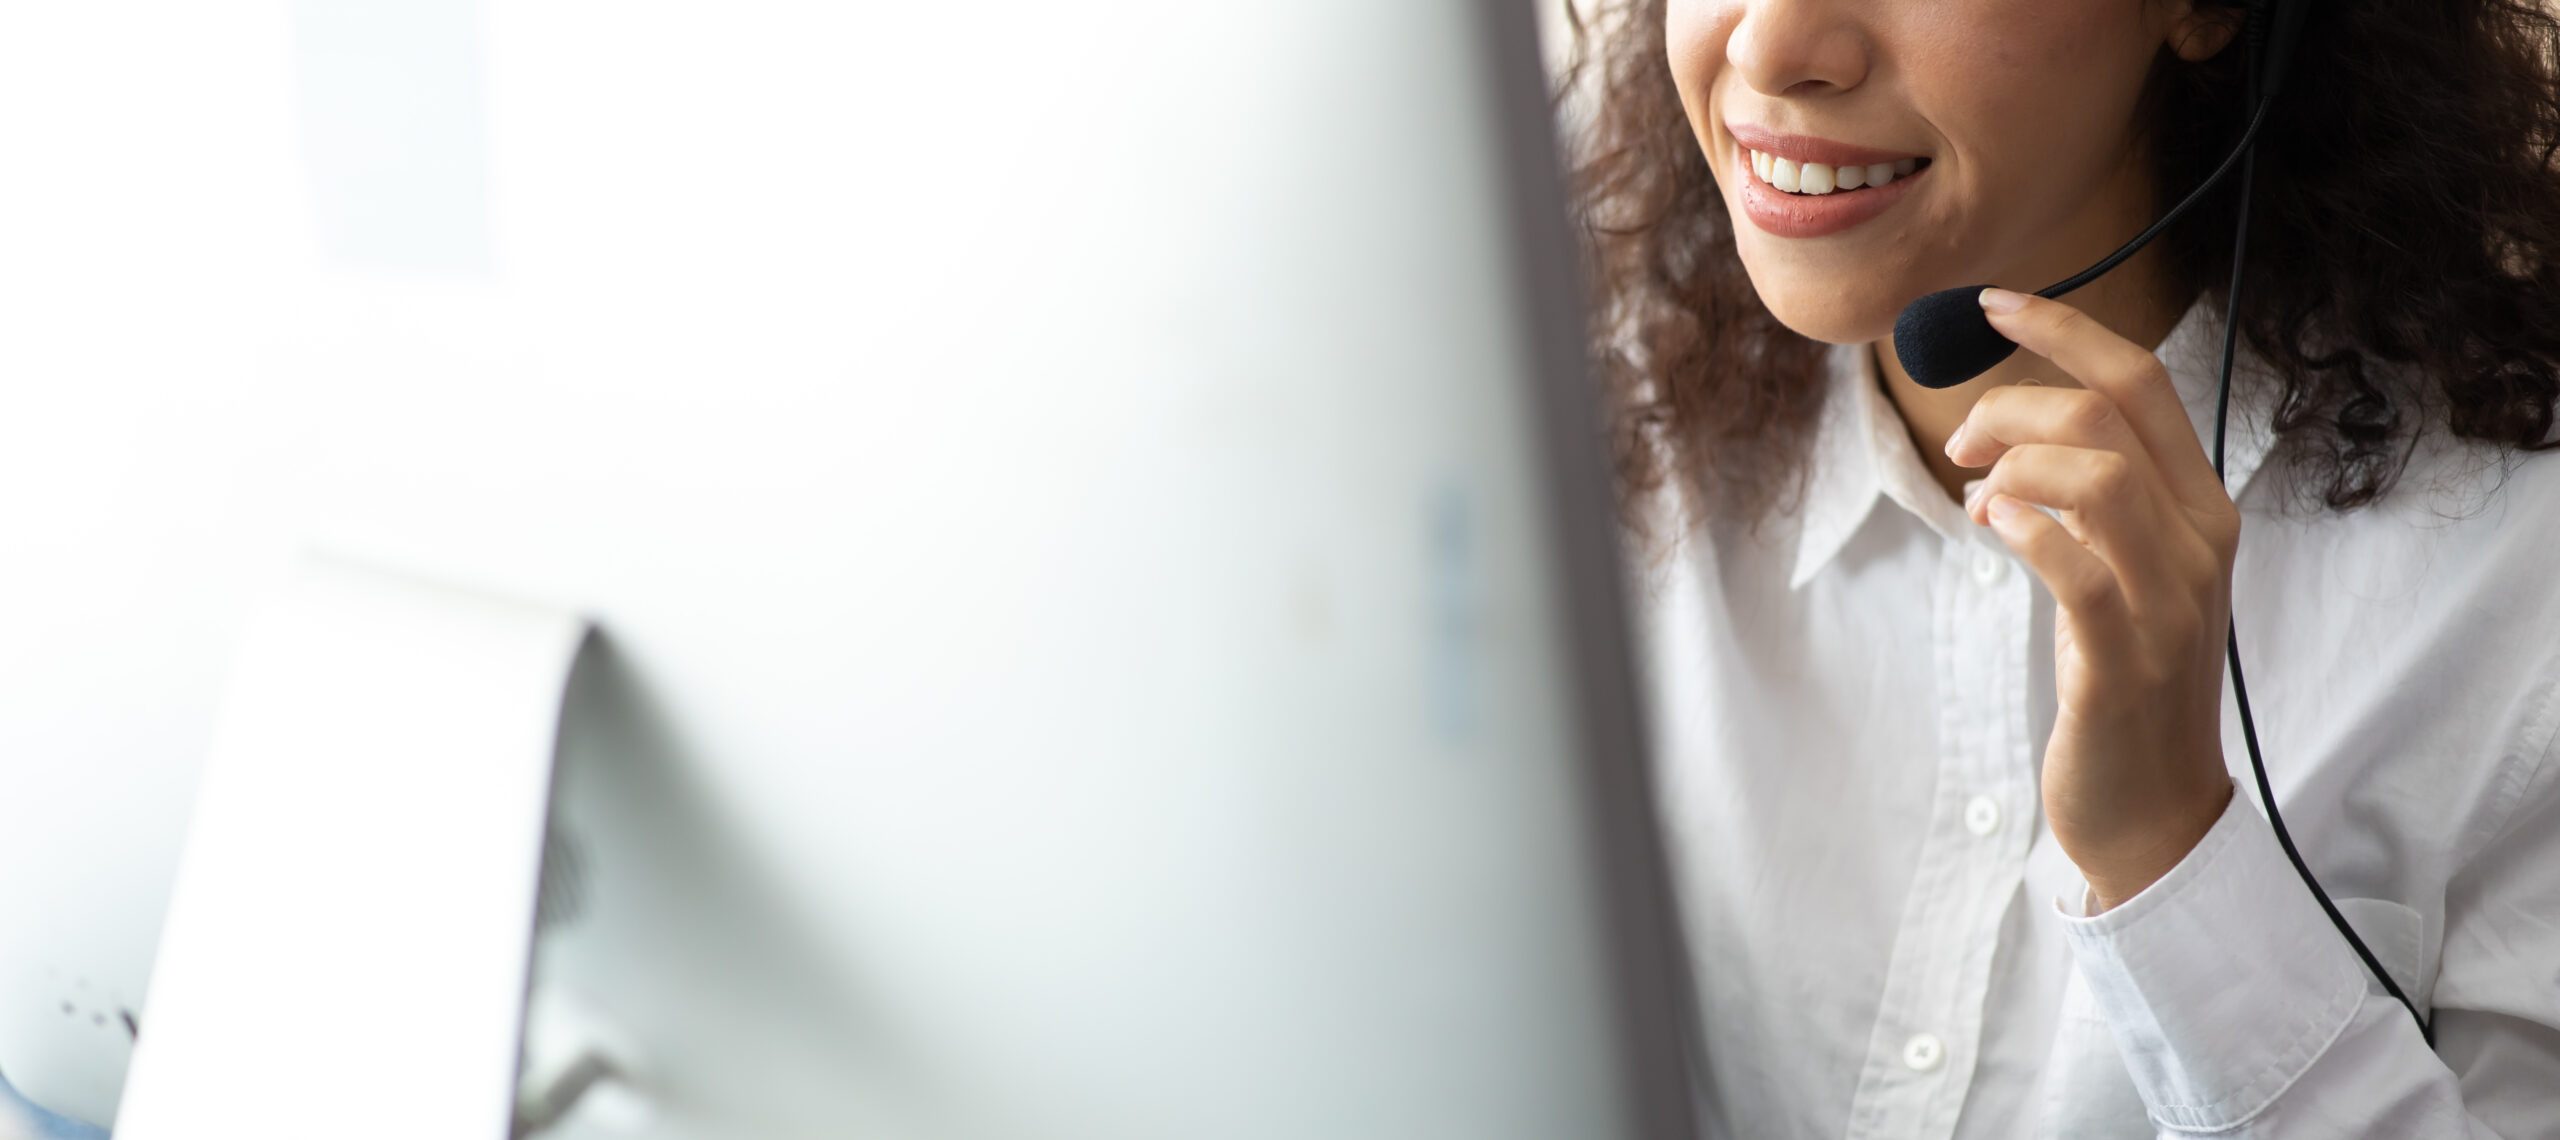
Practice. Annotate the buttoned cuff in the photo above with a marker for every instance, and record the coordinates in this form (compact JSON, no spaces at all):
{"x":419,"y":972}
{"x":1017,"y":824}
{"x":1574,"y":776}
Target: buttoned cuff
{"x":2223,"y":981}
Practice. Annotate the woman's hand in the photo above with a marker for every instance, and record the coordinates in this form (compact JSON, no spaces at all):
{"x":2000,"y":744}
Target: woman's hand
{"x":2140,"y":572}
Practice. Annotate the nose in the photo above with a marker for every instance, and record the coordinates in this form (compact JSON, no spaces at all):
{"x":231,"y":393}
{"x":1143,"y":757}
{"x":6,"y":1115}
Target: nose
{"x":1799,"y":47}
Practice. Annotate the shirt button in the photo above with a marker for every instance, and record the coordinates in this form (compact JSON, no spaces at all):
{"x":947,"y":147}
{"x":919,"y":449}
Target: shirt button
{"x":1982,"y":815}
{"x":1987,"y":566}
{"x":1923,"y":1052}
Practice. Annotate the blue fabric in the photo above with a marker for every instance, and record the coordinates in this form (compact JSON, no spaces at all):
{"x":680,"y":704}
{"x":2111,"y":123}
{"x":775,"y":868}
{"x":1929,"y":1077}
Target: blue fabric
{"x":20,"y":1120}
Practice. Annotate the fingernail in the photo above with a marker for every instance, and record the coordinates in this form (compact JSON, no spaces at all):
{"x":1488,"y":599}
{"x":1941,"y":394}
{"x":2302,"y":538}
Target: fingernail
{"x":2002,"y":301}
{"x":1973,"y":495}
{"x":1957,"y":438}
{"x":2003,"y":508}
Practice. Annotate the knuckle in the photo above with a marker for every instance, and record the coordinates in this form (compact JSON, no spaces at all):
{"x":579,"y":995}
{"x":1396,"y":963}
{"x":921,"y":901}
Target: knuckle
{"x":2110,"y":476}
{"x":2181,"y":624}
{"x":2220,"y":527}
{"x":2090,"y":590}
{"x":2220,"y":545}
{"x":2089,"y":414}
{"x":1985,"y":411}
{"x":2200,"y":563}
{"x":2006,"y":471}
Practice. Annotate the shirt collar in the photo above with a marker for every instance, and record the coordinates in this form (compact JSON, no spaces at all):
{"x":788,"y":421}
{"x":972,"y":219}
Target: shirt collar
{"x":1862,"y":451}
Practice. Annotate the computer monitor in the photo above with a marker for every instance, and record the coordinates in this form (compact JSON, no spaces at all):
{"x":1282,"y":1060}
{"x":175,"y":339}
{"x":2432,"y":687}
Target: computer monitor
{"x":1106,"y":614}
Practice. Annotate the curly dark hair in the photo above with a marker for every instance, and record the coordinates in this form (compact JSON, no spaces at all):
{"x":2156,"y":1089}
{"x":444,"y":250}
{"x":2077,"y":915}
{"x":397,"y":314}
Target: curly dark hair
{"x":2404,"y":259}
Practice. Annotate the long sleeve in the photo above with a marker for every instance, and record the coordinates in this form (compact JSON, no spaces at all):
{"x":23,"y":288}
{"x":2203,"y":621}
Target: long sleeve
{"x":2241,"y":1012}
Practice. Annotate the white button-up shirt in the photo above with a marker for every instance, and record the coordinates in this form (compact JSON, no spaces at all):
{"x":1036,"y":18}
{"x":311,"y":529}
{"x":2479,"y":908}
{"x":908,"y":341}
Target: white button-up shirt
{"x":1850,"y":710}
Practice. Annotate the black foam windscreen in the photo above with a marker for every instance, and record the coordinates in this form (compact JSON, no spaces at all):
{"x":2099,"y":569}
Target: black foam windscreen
{"x":1943,"y":339}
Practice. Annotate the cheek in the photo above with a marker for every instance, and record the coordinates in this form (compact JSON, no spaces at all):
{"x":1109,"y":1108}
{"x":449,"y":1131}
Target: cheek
{"x":2035,"y":97}
{"x":2038,"y":76}
{"x":1694,"y":33}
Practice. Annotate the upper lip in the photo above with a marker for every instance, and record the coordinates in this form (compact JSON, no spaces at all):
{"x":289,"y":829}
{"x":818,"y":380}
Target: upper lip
{"x":1810,"y":148}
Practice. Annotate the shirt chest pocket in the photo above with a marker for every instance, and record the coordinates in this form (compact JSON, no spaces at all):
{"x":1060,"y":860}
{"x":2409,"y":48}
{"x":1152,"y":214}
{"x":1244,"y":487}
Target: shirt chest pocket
{"x":2089,"y":1094}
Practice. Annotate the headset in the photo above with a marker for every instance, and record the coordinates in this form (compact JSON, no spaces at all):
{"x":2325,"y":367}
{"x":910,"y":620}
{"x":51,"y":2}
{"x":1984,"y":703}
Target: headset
{"x":1943,"y":340}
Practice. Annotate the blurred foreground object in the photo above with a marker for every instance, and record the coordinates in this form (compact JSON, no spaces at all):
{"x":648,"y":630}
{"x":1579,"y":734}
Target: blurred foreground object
{"x":1106,"y":620}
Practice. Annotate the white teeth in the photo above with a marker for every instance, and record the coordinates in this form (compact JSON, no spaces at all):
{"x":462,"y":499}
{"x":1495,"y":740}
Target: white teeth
{"x":1821,"y":178}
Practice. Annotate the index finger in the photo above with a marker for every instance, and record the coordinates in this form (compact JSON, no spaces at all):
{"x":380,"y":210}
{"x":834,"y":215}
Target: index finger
{"x":2120,"y":370}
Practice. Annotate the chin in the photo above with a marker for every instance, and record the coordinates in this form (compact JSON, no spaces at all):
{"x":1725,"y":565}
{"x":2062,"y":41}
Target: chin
{"x":1819,"y":307}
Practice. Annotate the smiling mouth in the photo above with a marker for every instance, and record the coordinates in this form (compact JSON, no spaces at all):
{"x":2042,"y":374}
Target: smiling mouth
{"x":1814,"y":179}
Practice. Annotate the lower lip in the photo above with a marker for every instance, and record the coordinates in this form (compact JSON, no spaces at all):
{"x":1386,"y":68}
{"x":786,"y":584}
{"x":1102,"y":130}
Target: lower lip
{"x":1781,"y":214}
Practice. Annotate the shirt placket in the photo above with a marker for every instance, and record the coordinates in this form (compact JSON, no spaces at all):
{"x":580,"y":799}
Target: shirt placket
{"x":1921,"y":1053}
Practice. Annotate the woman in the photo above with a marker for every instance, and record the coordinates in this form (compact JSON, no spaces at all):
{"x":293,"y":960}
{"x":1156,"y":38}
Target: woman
{"x":1949,"y":775}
